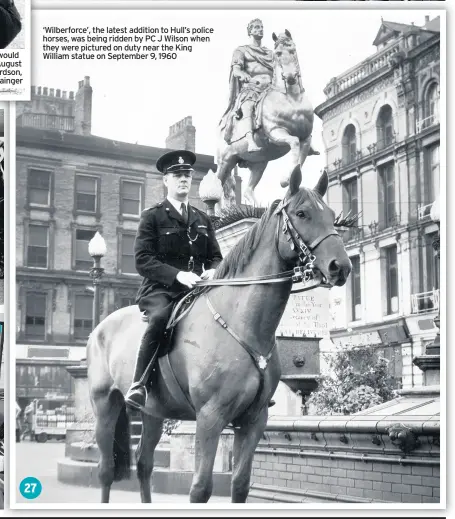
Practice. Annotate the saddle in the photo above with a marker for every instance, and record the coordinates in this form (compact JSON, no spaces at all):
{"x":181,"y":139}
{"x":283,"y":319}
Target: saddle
{"x":181,"y":307}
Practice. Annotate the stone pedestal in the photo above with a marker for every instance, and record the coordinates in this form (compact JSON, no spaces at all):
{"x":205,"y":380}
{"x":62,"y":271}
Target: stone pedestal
{"x":182,"y":448}
{"x":83,"y":429}
{"x":430,"y":365}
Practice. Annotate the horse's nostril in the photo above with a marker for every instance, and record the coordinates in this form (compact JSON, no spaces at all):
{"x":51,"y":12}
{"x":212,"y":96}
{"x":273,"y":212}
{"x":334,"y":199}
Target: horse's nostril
{"x":334,"y":267}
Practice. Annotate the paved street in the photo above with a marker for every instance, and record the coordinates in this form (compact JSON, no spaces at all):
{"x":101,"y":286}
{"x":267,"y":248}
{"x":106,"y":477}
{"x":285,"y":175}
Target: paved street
{"x":40,"y":460}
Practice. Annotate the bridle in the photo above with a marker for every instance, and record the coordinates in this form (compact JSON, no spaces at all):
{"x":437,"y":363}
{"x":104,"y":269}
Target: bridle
{"x":305,"y":252}
{"x":303,"y":272}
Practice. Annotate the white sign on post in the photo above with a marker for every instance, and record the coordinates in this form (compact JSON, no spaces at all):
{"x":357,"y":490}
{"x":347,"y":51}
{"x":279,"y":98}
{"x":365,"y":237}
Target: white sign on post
{"x":307,"y":315}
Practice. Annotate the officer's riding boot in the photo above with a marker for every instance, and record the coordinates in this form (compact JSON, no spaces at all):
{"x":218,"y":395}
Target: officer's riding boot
{"x":137,"y":393}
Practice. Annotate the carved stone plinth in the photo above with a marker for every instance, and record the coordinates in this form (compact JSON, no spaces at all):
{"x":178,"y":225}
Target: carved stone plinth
{"x":430,"y":365}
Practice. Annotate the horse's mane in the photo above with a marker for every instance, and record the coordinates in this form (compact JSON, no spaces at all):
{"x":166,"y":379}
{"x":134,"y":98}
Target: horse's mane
{"x":240,"y":254}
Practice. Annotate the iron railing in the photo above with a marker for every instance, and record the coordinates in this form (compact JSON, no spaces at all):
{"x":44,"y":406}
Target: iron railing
{"x":427,"y":122}
{"x":424,"y":302}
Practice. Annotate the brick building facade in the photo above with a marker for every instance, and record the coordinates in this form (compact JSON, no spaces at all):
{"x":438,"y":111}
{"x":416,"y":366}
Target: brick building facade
{"x":381,"y":129}
{"x":71,"y":184}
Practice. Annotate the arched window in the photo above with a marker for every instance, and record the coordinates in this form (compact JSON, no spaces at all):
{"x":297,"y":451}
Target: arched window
{"x":431,"y":106}
{"x":349,"y":145}
{"x":384,"y":126}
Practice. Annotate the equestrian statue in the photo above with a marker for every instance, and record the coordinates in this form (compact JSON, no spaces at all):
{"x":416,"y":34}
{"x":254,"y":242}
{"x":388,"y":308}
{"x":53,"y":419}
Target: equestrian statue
{"x":268,"y":113}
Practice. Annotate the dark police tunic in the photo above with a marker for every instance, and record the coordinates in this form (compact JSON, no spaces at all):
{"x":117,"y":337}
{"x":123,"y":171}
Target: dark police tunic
{"x":10,"y":23}
{"x":164,"y":246}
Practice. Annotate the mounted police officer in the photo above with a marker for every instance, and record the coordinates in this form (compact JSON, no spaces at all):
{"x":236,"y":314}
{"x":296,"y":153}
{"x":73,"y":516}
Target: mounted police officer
{"x":175,"y":247}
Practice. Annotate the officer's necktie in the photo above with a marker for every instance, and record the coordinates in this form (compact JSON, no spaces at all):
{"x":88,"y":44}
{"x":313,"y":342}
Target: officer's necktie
{"x":184,"y":213}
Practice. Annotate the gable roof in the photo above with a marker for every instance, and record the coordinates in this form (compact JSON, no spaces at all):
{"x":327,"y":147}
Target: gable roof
{"x":389,"y":29}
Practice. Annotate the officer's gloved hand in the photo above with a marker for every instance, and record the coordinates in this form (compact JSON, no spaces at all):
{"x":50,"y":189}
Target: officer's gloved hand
{"x":208,"y":274}
{"x":189,"y":279}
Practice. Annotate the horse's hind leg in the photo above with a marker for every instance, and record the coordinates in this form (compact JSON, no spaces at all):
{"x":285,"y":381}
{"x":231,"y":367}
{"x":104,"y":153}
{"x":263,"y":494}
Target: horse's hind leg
{"x":207,"y":438}
{"x":225,"y":166}
{"x":256,"y":172}
{"x":107,"y":407}
{"x":246,"y":439}
{"x":152,"y":429}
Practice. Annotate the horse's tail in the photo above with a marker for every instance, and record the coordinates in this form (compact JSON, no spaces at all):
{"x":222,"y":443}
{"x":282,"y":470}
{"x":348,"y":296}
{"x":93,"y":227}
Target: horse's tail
{"x":122,"y":446}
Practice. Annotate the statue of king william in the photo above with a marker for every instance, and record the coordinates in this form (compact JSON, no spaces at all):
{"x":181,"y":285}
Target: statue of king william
{"x":251,"y":74}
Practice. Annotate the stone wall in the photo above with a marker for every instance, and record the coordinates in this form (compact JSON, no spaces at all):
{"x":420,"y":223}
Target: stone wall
{"x":358,"y":458}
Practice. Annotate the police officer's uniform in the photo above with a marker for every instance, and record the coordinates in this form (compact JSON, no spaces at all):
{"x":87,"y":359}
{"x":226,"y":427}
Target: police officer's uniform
{"x":10,"y":22}
{"x":165,"y":244}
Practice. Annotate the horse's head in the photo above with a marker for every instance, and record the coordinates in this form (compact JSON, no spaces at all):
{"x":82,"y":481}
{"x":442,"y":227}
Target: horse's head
{"x":311,"y":231}
{"x":286,"y":57}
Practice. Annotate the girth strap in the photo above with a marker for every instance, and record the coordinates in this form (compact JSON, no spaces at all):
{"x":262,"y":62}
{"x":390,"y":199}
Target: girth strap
{"x":260,"y":361}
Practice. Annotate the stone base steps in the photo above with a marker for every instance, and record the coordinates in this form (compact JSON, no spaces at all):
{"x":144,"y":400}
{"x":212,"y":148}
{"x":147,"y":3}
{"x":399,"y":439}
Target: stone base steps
{"x":272,"y":494}
{"x":165,"y":481}
{"x":81,"y":452}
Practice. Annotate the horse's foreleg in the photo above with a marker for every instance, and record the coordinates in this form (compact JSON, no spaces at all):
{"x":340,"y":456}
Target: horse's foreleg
{"x":107,"y":410}
{"x":207,"y":438}
{"x":152,"y":429}
{"x":305,"y":146}
{"x":246,"y":439}
{"x":281,"y":137}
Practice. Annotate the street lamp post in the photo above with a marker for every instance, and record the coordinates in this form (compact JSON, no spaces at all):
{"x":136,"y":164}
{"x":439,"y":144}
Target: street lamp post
{"x":96,"y":249}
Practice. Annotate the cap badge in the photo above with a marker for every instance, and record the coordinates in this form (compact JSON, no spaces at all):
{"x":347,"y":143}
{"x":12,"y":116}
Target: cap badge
{"x":181,"y":161}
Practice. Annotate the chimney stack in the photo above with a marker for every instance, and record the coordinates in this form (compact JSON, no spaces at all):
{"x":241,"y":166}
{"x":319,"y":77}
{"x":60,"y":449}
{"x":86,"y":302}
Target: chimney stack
{"x":427,"y":18}
{"x":182,"y":135}
{"x":83,"y":108}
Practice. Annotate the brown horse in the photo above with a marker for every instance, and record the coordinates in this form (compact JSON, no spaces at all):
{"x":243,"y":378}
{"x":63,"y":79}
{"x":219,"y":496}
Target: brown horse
{"x":224,"y":376}
{"x":285,"y":124}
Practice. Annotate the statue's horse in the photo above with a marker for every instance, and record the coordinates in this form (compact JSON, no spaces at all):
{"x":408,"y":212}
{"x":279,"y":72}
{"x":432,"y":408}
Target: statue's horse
{"x":284,"y":120}
{"x":224,"y":367}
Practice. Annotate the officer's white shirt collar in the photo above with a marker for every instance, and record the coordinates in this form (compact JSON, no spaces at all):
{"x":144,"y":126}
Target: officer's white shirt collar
{"x":178,"y":204}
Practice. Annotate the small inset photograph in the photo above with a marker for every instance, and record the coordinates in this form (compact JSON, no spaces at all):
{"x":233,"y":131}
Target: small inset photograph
{"x":12,"y":14}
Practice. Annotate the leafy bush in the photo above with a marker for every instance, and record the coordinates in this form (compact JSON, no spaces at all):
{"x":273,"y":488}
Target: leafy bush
{"x":169,"y":426}
{"x":356,"y":379}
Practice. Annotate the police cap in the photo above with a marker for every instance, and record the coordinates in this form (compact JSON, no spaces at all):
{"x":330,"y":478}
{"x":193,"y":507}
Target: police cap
{"x":176,"y":161}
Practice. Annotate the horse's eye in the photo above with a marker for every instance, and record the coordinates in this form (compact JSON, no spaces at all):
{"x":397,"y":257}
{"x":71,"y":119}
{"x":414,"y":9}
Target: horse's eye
{"x":302,"y":214}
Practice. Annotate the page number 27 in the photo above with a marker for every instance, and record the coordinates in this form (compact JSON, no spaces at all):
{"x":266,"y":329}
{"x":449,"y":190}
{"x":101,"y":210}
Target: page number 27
{"x":30,"y":488}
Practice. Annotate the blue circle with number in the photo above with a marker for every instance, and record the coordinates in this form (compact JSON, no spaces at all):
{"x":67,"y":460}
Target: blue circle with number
{"x":30,"y":488}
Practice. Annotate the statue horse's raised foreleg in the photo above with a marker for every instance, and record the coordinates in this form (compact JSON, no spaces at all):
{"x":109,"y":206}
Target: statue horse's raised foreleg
{"x":152,"y":429}
{"x":246,"y":439}
{"x":281,"y":137}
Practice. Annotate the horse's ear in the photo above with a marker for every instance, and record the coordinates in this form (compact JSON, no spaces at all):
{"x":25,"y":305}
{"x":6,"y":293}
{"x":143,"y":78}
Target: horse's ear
{"x":323,"y":184}
{"x":274,"y":38}
{"x":288,"y":34}
{"x":295,"y":180}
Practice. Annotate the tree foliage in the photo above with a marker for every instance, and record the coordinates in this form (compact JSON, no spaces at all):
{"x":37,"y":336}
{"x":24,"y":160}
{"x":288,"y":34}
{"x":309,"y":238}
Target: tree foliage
{"x":356,"y":379}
